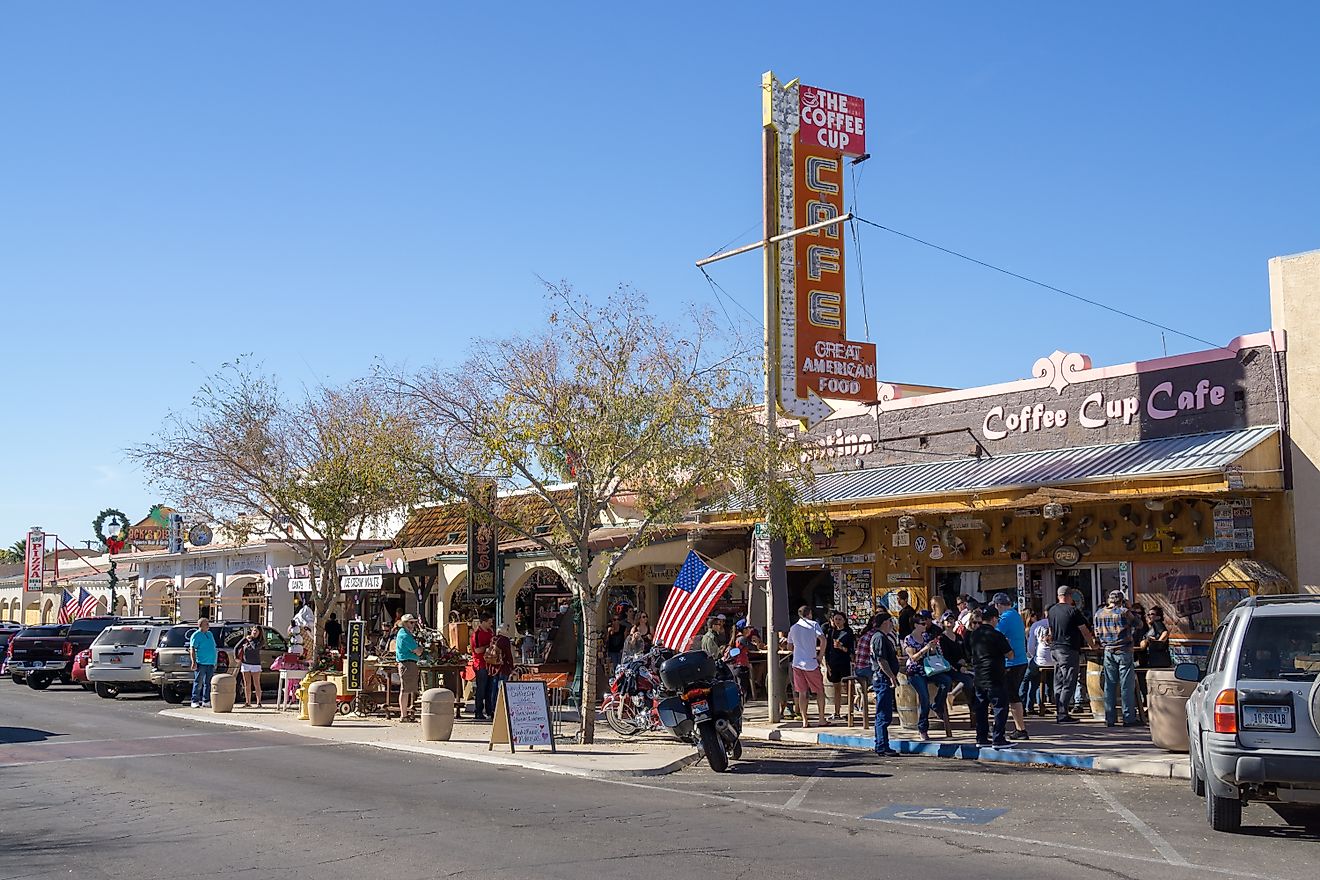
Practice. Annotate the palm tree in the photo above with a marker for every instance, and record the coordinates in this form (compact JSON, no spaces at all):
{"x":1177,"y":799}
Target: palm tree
{"x":15,"y":552}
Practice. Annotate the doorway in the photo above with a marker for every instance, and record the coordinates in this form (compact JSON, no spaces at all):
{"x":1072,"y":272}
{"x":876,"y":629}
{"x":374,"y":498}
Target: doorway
{"x":1082,"y":581}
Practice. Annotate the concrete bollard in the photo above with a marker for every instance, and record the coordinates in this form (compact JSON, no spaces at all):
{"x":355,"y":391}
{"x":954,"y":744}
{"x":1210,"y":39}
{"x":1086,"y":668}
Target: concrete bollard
{"x":321,"y":705}
{"x":437,"y":715}
{"x":223,"y":688}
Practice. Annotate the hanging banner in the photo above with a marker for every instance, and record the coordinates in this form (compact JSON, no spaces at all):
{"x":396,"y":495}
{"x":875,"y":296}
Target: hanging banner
{"x":357,"y":642}
{"x":35,"y":561}
{"x":483,"y":548}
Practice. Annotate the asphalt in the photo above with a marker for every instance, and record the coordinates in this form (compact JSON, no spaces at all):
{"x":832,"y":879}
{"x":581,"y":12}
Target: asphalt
{"x":102,"y":789}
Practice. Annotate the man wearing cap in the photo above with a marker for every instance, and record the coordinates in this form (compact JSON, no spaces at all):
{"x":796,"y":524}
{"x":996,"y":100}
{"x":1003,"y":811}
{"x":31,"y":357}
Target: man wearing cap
{"x":1113,"y":630}
{"x":1015,"y":630}
{"x":1068,"y":633}
{"x":407,"y":651}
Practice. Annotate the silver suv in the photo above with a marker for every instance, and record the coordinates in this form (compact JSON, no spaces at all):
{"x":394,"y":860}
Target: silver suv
{"x":1254,"y":719}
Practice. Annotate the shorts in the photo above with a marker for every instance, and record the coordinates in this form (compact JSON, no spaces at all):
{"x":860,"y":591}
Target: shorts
{"x":410,"y":677}
{"x":807,"y":681}
{"x":1013,"y":676}
{"x":249,"y":667}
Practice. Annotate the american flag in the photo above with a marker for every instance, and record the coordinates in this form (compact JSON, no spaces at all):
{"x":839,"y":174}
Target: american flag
{"x":86,"y":606}
{"x":67,"y":609}
{"x":695,"y":592}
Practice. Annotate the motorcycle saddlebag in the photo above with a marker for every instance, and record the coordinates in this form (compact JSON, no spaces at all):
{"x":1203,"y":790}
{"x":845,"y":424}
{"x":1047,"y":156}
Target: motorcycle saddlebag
{"x":682,"y":670}
{"x":673,"y":712}
{"x":725,"y":698}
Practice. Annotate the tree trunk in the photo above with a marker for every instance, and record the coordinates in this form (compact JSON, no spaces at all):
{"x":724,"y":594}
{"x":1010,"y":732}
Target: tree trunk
{"x":590,"y":643}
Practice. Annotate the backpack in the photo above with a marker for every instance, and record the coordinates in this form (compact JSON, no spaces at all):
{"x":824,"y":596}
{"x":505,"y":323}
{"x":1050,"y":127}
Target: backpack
{"x":493,"y":655}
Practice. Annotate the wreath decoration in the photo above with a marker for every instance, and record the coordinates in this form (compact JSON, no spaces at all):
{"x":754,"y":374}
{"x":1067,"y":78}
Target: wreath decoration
{"x":115,"y":542}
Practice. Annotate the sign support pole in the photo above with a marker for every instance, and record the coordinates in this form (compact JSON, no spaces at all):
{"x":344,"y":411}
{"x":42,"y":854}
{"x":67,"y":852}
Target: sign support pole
{"x":770,"y":265}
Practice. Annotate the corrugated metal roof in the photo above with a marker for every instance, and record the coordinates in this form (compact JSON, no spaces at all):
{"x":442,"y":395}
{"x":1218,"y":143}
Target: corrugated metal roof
{"x":1197,"y":453}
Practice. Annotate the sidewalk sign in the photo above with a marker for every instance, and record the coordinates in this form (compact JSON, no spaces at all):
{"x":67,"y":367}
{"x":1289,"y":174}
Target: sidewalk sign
{"x":522,"y":716}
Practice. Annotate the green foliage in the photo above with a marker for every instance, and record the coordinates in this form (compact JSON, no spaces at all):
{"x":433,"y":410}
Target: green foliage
{"x":15,"y":552}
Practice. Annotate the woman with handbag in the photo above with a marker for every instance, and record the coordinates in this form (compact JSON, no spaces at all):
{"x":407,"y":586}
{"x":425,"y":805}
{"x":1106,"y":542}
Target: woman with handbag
{"x":926,"y":665}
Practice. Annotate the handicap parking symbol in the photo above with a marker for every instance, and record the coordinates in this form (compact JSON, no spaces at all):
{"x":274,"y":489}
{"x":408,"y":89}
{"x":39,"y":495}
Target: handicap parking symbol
{"x":937,"y":815}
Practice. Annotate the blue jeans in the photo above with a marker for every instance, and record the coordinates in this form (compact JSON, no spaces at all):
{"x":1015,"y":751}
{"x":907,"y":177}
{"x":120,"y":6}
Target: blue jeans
{"x":485,"y":707}
{"x":919,"y":680}
{"x":995,"y":698}
{"x":201,"y":692}
{"x":493,"y":693}
{"x":1120,"y":672}
{"x":884,"y":712}
{"x":1027,"y":696}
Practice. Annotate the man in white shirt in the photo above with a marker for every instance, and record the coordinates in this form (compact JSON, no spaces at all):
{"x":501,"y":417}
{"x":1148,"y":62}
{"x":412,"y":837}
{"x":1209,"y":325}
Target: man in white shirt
{"x":808,"y":641}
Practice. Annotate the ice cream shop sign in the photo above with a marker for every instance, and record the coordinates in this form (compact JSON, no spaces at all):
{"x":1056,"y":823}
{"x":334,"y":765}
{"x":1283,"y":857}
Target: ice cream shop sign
{"x":1164,"y":401}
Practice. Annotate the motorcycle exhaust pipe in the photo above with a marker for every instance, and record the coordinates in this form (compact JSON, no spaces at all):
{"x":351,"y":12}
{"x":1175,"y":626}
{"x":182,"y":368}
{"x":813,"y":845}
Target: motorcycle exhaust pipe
{"x":722,"y":725}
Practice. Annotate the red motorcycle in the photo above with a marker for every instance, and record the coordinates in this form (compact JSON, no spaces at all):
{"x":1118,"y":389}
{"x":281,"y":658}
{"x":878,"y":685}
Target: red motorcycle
{"x":630,"y":706}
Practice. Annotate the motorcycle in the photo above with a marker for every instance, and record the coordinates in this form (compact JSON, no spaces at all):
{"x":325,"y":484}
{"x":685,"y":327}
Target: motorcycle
{"x":630,"y":706}
{"x":705,"y":708}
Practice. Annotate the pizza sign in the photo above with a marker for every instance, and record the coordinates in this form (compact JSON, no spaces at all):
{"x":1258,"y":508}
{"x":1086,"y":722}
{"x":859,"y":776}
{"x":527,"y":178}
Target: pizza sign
{"x":832,"y":120}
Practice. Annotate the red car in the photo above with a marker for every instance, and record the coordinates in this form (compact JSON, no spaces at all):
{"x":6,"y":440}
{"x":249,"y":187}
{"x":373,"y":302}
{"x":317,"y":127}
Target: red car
{"x":79,"y":674}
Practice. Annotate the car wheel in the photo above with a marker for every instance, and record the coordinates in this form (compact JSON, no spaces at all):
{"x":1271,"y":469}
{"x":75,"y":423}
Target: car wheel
{"x":106,"y":690}
{"x":1302,"y":815}
{"x":16,"y":678}
{"x":1223,"y":813}
{"x":171,"y":694}
{"x":38,"y":681}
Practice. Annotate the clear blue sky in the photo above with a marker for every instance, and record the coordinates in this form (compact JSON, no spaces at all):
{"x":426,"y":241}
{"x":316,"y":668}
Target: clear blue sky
{"x":323,"y":183}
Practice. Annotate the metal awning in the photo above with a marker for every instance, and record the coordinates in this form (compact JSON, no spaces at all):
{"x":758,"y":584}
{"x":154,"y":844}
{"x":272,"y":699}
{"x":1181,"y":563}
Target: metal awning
{"x":1142,"y":459}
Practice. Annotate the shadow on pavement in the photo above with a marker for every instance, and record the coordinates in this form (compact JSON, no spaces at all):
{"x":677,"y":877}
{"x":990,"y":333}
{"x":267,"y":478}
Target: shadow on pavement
{"x":831,"y":769}
{"x":11,"y":735}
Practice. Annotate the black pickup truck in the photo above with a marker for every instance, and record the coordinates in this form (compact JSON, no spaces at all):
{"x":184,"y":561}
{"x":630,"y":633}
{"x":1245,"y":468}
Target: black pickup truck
{"x":41,"y":654}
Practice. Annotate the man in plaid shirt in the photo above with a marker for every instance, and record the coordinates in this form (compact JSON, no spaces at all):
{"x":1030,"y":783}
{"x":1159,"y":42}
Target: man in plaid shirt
{"x":1114,"y":631}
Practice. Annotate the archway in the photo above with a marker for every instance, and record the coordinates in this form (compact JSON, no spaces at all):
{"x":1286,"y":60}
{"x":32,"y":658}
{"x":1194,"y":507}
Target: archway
{"x":121,"y":606}
{"x":48,"y":611}
{"x":102,"y":606}
{"x":156,"y":598}
{"x":243,"y":598}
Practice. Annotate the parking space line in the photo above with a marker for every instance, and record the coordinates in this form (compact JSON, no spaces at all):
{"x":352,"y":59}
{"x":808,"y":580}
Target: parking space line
{"x":805,"y":788}
{"x":1152,"y":836}
{"x":946,"y":834}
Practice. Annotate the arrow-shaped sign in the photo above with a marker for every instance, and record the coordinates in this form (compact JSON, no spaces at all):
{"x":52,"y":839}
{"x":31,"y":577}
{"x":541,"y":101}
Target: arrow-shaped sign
{"x":812,"y":409}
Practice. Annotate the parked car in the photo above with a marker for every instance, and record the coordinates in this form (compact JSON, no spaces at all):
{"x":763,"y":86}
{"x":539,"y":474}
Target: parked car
{"x":79,"y":673}
{"x":7,"y":632}
{"x":1253,"y":721}
{"x":173,"y":670}
{"x":45,"y":653}
{"x":122,"y":658}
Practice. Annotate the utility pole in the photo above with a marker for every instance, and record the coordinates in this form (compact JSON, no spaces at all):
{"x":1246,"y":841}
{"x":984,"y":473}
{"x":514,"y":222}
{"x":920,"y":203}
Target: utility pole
{"x":769,"y":265}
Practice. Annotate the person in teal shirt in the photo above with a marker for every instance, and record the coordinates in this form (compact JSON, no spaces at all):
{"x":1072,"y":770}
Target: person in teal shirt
{"x":202,"y":652}
{"x":407,"y":651}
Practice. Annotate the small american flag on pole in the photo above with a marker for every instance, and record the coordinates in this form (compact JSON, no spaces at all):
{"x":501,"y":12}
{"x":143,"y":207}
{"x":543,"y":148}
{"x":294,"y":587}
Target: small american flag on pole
{"x":695,"y":592}
{"x":86,"y":606}
{"x":66,"y":607}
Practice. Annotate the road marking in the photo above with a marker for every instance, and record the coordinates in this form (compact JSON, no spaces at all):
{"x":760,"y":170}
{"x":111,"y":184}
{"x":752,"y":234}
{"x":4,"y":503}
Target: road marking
{"x":805,"y":788}
{"x":936,"y":831}
{"x":938,"y":815}
{"x":62,"y":760}
{"x":1152,"y":836}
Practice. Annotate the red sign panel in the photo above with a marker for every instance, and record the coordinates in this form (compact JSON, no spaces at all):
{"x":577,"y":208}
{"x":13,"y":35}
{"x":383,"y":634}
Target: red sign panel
{"x":832,"y":121}
{"x":35,"y":560}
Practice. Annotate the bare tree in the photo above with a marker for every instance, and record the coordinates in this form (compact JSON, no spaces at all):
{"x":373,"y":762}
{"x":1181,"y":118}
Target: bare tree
{"x":321,"y":470}
{"x":606,"y":409}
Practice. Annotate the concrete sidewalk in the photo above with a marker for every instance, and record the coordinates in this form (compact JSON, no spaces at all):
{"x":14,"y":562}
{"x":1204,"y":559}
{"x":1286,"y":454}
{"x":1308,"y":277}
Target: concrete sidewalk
{"x":1088,"y":745}
{"x":608,"y":757}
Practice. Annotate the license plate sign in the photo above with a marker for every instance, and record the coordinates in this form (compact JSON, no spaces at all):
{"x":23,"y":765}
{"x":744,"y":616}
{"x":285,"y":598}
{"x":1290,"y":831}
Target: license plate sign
{"x":1267,"y":717}
{"x":701,"y":707}
{"x":115,"y":660}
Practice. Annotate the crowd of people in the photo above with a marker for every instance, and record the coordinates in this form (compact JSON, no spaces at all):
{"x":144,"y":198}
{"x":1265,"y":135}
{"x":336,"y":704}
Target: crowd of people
{"x":1004,"y":664}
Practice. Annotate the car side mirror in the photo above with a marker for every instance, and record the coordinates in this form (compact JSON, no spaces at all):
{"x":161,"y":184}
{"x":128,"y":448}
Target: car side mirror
{"x":1188,"y":672}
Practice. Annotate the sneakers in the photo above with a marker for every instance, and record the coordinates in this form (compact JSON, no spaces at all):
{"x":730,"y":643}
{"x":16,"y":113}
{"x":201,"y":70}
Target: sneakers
{"x":1002,"y":745}
{"x":206,"y":705}
{"x":1067,"y":720}
{"x":196,"y":705}
{"x":1018,"y":734}
{"x":886,"y":753}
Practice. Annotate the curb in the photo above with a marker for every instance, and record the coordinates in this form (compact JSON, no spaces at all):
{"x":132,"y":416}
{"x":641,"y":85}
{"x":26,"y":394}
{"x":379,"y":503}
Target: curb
{"x":1155,"y":767}
{"x":477,"y":758}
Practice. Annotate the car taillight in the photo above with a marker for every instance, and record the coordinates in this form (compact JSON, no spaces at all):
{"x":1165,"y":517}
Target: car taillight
{"x":68,"y":649}
{"x":149,"y":656}
{"x":1226,"y":712}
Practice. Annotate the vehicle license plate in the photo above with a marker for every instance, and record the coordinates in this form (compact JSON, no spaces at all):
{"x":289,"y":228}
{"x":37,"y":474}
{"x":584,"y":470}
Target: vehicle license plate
{"x":1267,"y":717}
{"x":114,"y":659}
{"x":701,"y":707}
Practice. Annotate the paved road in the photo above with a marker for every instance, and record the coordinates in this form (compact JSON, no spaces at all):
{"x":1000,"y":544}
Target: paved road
{"x":111,"y":790}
